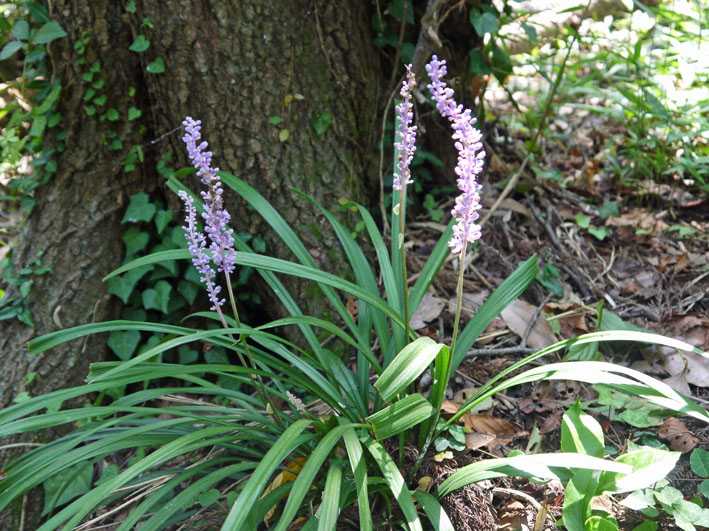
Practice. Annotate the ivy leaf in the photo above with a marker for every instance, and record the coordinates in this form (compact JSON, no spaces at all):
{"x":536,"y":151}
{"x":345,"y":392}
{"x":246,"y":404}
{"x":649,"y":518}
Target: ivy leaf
{"x":48,"y":32}
{"x":122,"y":286}
{"x":599,"y":232}
{"x":133,"y":113}
{"x":123,"y":343}
{"x":157,"y":66}
{"x":501,"y":63}
{"x":396,"y":10}
{"x":582,"y":221}
{"x":188,"y":290}
{"x":483,"y":22}
{"x":139,"y":209}
{"x":478,"y":64}
{"x":157,"y":298}
{"x":162,"y":219}
{"x":283,"y":135}
{"x":67,"y":485}
{"x":135,"y":240}
{"x":187,"y":355}
{"x":321,"y":121}
{"x":208,"y":498}
{"x":609,"y":209}
{"x":140,"y":44}
{"x":112,"y":114}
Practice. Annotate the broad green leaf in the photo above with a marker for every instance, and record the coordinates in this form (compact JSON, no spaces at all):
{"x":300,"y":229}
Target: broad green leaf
{"x":123,"y":343}
{"x":581,"y":433}
{"x":140,"y":44}
{"x":483,"y":22}
{"x":699,"y":462}
{"x":162,"y":218}
{"x":157,"y":298}
{"x":10,"y":49}
{"x":359,"y":470}
{"x":321,"y":121}
{"x":139,"y":209}
{"x":67,"y":485}
{"x":135,"y":240}
{"x":649,"y":465}
{"x":157,"y":66}
{"x":395,"y":481}
{"x":123,"y":286}
{"x":435,"y":513}
{"x":543,"y":466}
{"x":478,"y":63}
{"x":330,"y":507}
{"x":252,"y":489}
{"x":580,"y":490}
{"x":21,"y":30}
{"x":400,"y":416}
{"x":48,"y":33}
{"x":134,"y":114}
{"x":181,"y":500}
{"x":408,"y":365}
{"x":501,"y":63}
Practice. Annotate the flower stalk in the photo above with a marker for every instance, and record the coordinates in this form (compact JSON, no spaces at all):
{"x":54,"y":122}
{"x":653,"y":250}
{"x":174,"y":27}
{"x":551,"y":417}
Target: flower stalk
{"x":468,"y":143}
{"x":406,"y":147}
{"x":221,"y":246}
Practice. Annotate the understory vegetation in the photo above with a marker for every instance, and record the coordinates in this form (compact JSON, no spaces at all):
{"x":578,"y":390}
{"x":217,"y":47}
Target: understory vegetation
{"x":520,"y":340}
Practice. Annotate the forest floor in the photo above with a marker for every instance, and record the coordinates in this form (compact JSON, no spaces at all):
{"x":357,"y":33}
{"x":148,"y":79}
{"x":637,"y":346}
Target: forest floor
{"x":638,"y":254}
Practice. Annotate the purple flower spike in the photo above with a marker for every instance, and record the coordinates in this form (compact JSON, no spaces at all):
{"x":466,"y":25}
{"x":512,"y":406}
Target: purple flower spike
{"x":216,"y":218}
{"x":468,"y":142}
{"x":197,"y":244}
{"x":406,"y":133}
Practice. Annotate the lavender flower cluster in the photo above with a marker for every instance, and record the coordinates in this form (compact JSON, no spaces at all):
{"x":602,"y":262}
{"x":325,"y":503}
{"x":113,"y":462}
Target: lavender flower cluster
{"x":406,"y":133}
{"x":468,"y":142}
{"x":216,"y":218}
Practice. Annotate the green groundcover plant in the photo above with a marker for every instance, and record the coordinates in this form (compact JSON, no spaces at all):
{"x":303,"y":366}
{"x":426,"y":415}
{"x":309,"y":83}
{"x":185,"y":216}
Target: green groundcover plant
{"x":200,"y":446}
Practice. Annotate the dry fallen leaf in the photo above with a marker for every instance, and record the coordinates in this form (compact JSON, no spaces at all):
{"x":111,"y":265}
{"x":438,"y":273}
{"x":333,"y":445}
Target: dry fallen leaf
{"x":471,"y":302}
{"x":476,"y":440}
{"x":677,"y":434}
{"x":502,"y":429}
{"x":442,"y":456}
{"x":428,"y":310}
{"x":694,"y":368}
{"x":450,"y":407}
{"x":518,"y":315}
{"x":425,"y":483}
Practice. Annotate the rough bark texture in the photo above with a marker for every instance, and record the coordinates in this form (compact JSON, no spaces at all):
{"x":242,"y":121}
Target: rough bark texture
{"x":232,"y":64}
{"x":238,"y":64}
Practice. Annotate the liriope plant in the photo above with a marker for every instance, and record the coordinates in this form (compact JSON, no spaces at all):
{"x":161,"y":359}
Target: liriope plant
{"x":209,"y":447}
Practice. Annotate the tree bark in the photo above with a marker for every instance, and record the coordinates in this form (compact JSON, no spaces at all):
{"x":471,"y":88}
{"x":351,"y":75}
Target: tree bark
{"x":232,"y":64}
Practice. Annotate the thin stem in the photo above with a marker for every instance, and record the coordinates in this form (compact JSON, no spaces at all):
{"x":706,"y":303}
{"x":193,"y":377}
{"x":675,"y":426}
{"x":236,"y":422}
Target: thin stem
{"x":261,"y":387}
{"x":402,"y":250}
{"x":458,"y":305}
{"x":459,"y":302}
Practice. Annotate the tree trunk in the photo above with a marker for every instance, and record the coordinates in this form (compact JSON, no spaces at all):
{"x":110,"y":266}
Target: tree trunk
{"x":232,"y":64}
